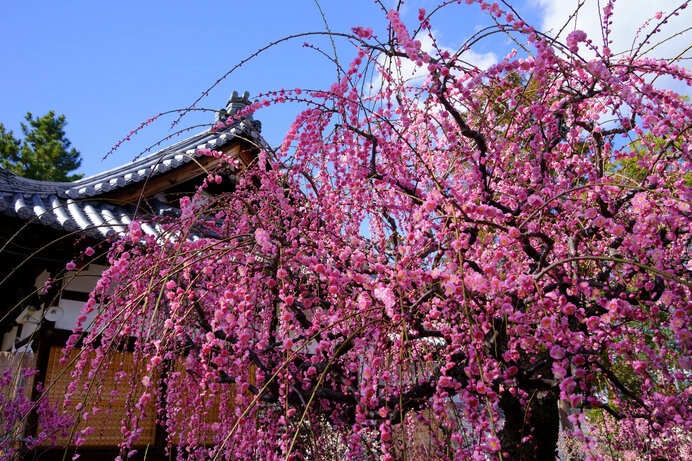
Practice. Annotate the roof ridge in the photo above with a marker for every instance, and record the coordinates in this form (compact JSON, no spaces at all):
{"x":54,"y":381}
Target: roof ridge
{"x":142,"y":168}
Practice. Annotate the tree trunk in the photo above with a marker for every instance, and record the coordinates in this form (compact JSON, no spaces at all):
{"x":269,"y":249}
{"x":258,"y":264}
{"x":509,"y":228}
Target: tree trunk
{"x":538,"y":420}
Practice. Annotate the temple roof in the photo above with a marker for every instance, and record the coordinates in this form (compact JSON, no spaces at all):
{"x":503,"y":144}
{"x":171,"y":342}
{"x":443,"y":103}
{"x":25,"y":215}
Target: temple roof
{"x":90,"y":204}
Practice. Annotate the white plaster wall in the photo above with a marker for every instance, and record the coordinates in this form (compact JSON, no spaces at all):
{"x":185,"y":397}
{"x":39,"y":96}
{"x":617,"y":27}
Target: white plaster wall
{"x":82,"y":281}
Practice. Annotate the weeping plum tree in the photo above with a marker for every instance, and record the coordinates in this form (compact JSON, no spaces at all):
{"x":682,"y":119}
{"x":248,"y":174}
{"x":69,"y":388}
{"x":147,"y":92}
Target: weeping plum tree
{"x":456,"y":265}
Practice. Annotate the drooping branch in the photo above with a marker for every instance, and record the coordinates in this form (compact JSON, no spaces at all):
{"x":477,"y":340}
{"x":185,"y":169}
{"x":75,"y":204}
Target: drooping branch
{"x":372,"y":166}
{"x":620,"y":386}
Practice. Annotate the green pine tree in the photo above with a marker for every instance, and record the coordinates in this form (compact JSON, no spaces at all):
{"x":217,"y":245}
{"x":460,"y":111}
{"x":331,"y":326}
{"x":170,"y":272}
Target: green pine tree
{"x":43,"y":153}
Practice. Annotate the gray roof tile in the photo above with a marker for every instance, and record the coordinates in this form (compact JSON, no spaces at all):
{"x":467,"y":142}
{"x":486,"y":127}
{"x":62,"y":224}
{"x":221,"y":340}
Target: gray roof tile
{"x":75,"y":206}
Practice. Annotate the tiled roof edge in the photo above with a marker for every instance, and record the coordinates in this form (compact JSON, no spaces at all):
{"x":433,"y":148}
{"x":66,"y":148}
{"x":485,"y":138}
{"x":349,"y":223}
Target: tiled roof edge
{"x":138,"y":170}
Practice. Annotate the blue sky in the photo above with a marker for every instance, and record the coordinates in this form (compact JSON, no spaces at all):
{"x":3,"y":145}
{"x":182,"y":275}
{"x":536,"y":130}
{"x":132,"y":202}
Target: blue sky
{"x":108,"y":66}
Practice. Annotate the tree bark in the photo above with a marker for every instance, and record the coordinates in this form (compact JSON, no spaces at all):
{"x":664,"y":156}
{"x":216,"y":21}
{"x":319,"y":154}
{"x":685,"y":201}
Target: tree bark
{"x":539,"y":420}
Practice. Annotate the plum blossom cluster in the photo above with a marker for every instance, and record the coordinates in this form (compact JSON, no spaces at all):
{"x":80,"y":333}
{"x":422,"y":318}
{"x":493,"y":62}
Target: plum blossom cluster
{"x":16,"y":410}
{"x":467,"y":259}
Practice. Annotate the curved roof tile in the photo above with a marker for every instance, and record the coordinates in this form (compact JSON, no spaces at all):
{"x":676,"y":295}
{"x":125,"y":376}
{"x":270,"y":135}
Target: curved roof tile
{"x":75,"y":206}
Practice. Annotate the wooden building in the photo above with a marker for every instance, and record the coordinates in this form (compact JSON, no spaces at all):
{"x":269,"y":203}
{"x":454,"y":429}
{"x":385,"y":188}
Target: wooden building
{"x":44,"y":225}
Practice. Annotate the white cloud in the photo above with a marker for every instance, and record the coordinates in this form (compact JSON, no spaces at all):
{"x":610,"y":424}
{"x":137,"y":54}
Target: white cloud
{"x":480,"y":60}
{"x":408,"y":70}
{"x":628,"y":17}
{"x":633,"y":21}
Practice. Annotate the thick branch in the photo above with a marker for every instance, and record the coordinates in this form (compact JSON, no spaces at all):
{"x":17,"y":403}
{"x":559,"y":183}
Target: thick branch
{"x":620,"y":386}
{"x":476,"y":136}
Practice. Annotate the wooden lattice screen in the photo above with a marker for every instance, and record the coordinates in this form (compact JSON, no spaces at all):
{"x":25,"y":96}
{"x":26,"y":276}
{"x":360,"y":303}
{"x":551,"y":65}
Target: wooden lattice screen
{"x":111,"y":410}
{"x":19,"y":386}
{"x":211,"y":410}
{"x":111,"y":405}
{"x":16,"y":362}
